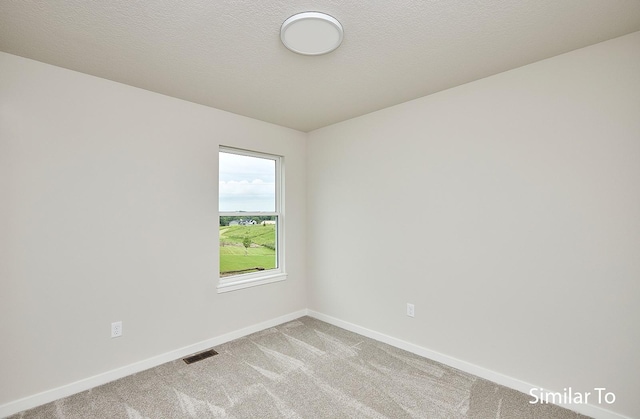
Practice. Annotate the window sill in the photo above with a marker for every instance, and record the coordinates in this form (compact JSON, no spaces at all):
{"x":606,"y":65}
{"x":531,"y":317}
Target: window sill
{"x":241,"y":283}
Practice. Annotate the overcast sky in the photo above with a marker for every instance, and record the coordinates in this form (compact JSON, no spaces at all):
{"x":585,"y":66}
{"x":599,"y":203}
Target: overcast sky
{"x":246,"y":183}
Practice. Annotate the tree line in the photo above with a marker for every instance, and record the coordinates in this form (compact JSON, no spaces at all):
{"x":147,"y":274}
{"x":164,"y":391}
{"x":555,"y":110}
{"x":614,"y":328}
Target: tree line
{"x":225,"y":220}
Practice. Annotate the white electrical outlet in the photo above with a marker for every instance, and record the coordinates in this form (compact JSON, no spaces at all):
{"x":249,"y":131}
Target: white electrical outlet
{"x":116,"y":329}
{"x":410,"y":310}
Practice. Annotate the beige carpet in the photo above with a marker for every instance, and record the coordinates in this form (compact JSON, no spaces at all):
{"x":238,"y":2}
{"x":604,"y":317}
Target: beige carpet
{"x":302,"y":369}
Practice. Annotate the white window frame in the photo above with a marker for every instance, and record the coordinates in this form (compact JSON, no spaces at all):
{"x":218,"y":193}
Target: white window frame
{"x":240,"y":281}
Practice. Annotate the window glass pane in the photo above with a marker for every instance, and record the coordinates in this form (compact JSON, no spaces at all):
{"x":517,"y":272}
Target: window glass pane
{"x":247,"y":183}
{"x":247,"y":244}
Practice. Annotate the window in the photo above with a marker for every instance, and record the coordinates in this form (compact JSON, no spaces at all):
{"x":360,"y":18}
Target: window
{"x":251,"y":220}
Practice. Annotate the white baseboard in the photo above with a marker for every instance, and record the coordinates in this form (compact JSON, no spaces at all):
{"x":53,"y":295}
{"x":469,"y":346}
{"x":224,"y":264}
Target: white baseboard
{"x":48,"y":396}
{"x":513,"y":383}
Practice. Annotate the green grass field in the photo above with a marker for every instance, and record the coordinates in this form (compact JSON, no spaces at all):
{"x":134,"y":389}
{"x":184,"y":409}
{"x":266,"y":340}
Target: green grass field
{"x":235,"y":257}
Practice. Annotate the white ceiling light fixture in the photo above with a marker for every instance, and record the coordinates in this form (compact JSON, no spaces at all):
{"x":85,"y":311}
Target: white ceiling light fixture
{"x":311,"y":33}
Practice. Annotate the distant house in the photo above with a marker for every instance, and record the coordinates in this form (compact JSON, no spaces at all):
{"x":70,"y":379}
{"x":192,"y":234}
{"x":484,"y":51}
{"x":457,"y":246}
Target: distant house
{"x":268,"y":222}
{"x":242,"y":222}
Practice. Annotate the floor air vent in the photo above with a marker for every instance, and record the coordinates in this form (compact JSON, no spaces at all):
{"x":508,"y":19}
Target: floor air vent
{"x":199,"y":357}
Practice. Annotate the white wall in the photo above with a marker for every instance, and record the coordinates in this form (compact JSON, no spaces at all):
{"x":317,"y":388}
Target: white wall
{"x":507,"y":210}
{"x":108,"y":211}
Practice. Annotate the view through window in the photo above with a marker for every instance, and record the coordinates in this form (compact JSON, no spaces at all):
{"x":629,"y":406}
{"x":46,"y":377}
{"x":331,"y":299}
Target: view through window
{"x":250,"y":216}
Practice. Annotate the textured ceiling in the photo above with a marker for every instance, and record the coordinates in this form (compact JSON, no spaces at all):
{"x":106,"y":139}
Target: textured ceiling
{"x":227,"y":53}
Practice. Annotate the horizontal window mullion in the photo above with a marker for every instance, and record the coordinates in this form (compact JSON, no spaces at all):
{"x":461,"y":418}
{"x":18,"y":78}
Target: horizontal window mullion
{"x":249,"y":214}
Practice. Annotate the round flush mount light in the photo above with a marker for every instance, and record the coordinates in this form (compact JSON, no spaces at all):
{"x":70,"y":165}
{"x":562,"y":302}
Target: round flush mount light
{"x":311,"y":33}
